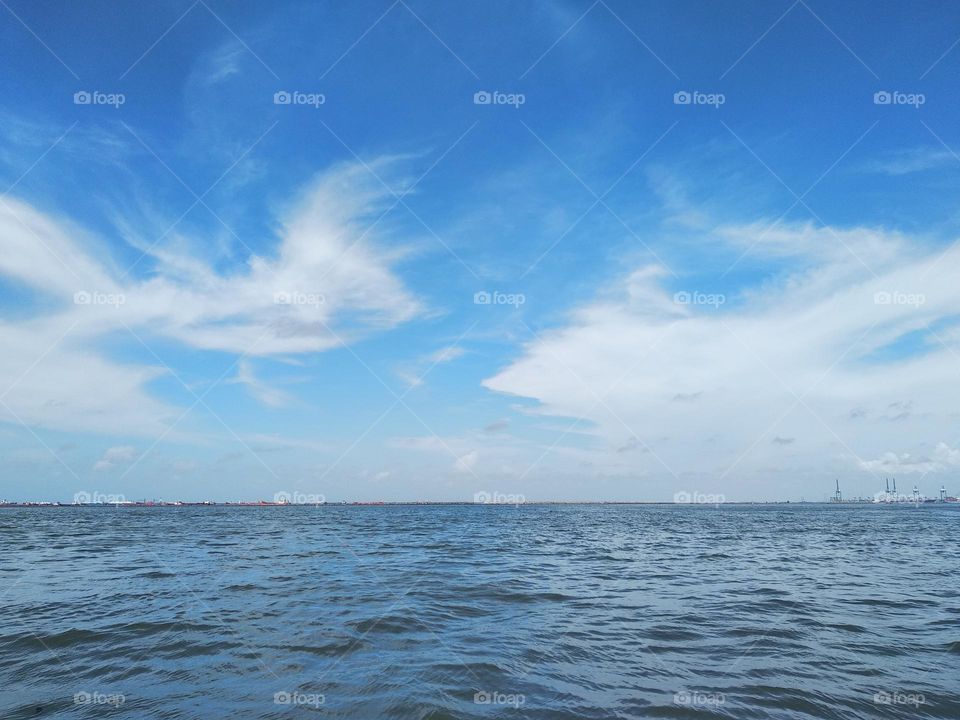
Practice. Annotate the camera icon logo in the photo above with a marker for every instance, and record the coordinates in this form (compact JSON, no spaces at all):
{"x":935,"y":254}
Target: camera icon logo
{"x":482,"y":97}
{"x":82,"y":298}
{"x":282,"y":97}
{"x":682,"y":497}
{"x":882,"y":97}
{"x":682,"y":98}
{"x":282,"y":698}
{"x":482,"y":298}
{"x":282,"y":298}
{"x":82,"y":97}
{"x":682,"y":298}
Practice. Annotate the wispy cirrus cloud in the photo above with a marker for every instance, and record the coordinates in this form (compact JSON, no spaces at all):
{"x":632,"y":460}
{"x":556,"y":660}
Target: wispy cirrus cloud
{"x":912,"y":160}
{"x":266,"y":394}
{"x":413,"y":373}
{"x":326,"y":283}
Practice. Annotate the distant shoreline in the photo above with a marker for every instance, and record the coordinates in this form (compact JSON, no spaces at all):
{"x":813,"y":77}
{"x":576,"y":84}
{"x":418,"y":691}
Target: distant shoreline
{"x":455,"y":503}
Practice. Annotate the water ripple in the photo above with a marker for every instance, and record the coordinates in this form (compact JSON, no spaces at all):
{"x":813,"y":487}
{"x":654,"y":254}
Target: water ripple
{"x":481,"y":612}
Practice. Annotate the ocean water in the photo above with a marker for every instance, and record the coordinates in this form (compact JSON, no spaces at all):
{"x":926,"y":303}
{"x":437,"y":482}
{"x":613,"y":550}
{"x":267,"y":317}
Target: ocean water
{"x":578,"y":611}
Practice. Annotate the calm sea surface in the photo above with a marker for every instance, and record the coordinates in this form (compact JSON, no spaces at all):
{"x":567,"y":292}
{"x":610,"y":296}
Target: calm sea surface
{"x":480,"y":612}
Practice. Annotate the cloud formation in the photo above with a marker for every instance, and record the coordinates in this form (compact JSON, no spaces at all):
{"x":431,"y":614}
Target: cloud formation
{"x":326,"y":283}
{"x":857,"y":335}
{"x":112,"y":457}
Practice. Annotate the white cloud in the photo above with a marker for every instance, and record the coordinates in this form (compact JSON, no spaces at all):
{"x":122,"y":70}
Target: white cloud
{"x":263,"y":392}
{"x":466,"y":463}
{"x":410,"y":378}
{"x":818,"y":334}
{"x":326,"y":283}
{"x":413,"y":375}
{"x":120,"y":455}
{"x":222,"y":63}
{"x":55,"y":381}
{"x":904,"y":162}
{"x":905,"y":463}
{"x":447,"y":354}
{"x":261,"y":442}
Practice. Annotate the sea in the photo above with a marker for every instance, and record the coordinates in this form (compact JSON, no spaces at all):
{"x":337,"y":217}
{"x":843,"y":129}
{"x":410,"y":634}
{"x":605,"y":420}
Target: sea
{"x":779,"y":611}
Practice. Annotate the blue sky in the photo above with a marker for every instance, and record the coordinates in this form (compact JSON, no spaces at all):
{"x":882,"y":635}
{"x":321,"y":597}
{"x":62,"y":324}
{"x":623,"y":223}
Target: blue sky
{"x":205,"y":293}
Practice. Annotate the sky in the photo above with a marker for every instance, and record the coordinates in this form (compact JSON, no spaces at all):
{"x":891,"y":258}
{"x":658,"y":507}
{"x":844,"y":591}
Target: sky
{"x":429,"y":251}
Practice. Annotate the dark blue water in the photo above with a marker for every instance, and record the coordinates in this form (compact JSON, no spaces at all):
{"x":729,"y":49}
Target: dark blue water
{"x":480,"y":612}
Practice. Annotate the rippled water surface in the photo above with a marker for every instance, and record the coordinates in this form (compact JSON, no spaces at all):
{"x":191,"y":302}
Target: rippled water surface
{"x":480,"y":612}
